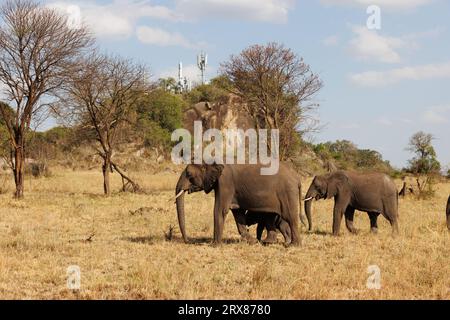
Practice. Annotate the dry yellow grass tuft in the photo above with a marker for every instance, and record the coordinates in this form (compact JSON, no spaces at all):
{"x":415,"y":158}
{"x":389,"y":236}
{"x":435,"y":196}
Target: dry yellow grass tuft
{"x":126,"y":248}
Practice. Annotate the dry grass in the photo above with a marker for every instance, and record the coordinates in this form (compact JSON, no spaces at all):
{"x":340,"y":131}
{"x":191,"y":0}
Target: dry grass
{"x":126,"y":248}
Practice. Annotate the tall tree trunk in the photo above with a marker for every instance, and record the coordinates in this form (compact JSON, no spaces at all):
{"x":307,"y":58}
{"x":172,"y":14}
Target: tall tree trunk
{"x":19,"y":170}
{"x":106,"y":171}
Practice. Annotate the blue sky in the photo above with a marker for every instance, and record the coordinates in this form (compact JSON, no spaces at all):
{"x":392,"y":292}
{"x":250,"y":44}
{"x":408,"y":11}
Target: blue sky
{"x":380,"y":86}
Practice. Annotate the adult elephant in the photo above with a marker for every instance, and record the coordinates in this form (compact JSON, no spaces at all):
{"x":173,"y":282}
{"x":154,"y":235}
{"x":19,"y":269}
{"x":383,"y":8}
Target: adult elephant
{"x":374,"y":193}
{"x":448,"y":213}
{"x":241,"y":187}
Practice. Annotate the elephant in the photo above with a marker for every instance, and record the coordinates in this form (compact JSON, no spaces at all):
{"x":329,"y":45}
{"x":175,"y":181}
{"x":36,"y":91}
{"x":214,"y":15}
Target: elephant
{"x":374,"y":193}
{"x":241,"y":187}
{"x":448,"y":213}
{"x":271,"y":222}
{"x":402,"y":192}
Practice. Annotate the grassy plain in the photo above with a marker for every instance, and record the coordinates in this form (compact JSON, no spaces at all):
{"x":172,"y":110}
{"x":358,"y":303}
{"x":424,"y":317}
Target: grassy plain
{"x":124,"y":248}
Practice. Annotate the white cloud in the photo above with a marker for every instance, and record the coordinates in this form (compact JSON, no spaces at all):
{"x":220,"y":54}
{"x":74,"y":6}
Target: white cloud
{"x":387,"y":4}
{"x":256,"y":10}
{"x":437,"y":115}
{"x":383,"y":78}
{"x":118,"y":18}
{"x":369,"y":45}
{"x":331,"y":41}
{"x":163,"y":38}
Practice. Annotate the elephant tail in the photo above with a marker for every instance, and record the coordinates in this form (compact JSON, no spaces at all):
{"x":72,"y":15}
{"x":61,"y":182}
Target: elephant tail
{"x":300,"y":213}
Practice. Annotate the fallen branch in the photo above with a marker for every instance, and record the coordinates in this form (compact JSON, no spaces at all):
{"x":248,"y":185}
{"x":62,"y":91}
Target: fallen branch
{"x":127,"y":182}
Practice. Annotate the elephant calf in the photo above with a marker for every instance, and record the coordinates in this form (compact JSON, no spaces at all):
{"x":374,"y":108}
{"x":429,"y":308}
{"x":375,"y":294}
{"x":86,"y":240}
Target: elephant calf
{"x":448,"y":213}
{"x":373,"y":193}
{"x":271,"y":222}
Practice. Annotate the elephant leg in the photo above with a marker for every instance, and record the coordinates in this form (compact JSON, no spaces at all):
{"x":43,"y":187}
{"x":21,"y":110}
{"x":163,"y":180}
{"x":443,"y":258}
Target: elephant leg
{"x":269,"y":221}
{"x":271,"y":236}
{"x":259,"y":230}
{"x":391,"y":215}
{"x":373,"y":221}
{"x":447,"y":212}
{"x":239,"y":217}
{"x":338,"y":212}
{"x":285,"y":231}
{"x":221,"y":207}
{"x":290,"y":215}
{"x":218,"y":225}
{"x":295,"y":235}
{"x":394,"y":224}
{"x":349,"y":214}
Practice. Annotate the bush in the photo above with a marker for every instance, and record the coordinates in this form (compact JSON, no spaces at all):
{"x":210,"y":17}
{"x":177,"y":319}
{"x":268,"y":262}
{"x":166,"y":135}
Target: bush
{"x":216,"y":91}
{"x":158,"y":114}
{"x":38,"y":169}
{"x":346,"y":155}
{"x":426,"y":187}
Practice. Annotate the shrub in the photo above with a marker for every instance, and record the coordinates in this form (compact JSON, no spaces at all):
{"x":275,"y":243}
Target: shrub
{"x":38,"y":169}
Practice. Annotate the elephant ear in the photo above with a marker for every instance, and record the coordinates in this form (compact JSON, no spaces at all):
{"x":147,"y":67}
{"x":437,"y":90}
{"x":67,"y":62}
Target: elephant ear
{"x":211,"y":175}
{"x":336,"y":182}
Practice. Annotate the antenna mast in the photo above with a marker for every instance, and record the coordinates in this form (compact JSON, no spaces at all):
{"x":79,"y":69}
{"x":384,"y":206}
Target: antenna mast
{"x":202,"y":62}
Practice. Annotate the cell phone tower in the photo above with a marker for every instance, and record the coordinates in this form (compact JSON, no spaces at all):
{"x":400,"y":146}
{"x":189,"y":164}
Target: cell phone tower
{"x":202,"y":62}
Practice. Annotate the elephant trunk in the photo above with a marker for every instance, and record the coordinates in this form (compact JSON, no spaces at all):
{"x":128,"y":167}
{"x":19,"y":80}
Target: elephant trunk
{"x":180,"y":208}
{"x":308,"y":213}
{"x":302,"y":219}
{"x":448,"y":219}
{"x":308,"y":202}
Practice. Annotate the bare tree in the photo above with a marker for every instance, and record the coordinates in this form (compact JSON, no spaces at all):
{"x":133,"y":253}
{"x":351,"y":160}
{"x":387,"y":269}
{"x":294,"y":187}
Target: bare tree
{"x":278,"y":87}
{"x":37,"y":51}
{"x":101,"y":95}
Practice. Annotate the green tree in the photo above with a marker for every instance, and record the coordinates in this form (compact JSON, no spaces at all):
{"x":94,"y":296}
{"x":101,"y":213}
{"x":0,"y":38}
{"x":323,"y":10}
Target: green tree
{"x":167,"y":84}
{"x":215,"y":91}
{"x":346,"y":155}
{"x":425,"y":161}
{"x":343,"y":149}
{"x":159,"y":113}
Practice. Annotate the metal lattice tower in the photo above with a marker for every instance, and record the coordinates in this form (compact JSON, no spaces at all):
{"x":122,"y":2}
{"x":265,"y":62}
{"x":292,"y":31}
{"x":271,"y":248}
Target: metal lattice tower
{"x":202,"y":62}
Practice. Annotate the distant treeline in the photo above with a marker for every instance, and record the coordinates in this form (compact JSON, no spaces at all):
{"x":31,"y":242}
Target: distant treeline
{"x":157,"y":113}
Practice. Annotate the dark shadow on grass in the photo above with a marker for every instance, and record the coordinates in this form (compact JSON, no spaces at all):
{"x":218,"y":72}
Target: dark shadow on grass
{"x":146,"y":239}
{"x":319,"y":233}
{"x":208,"y":240}
{"x":192,"y":241}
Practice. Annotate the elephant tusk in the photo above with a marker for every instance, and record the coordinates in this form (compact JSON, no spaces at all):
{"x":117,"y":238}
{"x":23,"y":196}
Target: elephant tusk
{"x":179,"y":194}
{"x":307,"y":199}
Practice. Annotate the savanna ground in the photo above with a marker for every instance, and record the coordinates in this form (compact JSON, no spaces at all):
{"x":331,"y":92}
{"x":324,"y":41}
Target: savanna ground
{"x":123,"y":248}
